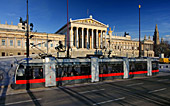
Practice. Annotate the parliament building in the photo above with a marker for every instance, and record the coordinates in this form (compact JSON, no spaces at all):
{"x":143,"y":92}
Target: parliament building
{"x":86,"y":37}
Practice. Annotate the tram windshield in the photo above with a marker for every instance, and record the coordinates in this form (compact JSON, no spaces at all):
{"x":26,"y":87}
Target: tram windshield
{"x":35,"y":72}
{"x":20,"y":75}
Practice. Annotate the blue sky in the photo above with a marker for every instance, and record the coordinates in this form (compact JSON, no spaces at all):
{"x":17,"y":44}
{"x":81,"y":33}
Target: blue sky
{"x":50,"y":15}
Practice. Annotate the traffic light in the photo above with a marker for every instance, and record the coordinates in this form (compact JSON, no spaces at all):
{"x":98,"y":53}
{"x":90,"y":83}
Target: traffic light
{"x":31,"y":36}
{"x":31,"y":26}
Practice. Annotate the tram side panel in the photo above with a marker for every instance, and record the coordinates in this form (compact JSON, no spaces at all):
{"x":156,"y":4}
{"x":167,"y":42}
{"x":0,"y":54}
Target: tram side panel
{"x":137,"y":69}
{"x":67,"y":75}
{"x":111,"y":70}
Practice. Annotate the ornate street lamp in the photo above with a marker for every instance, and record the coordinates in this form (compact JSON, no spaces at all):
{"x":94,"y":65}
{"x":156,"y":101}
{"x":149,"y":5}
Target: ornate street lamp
{"x":139,"y":33}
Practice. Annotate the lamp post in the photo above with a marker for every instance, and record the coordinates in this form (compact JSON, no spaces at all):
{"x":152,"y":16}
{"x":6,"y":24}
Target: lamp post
{"x":27,"y":51}
{"x":27,"y":44}
{"x":27,"y":33}
{"x":25,"y":24}
{"x":68,"y":38}
{"x":139,"y":33}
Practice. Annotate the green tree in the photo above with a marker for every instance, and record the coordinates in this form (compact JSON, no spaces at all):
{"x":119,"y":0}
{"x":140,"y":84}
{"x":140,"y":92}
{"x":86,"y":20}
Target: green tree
{"x":162,"y":48}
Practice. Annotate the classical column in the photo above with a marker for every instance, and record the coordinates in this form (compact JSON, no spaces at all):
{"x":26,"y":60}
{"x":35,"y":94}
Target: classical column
{"x":71,"y":37}
{"x":105,"y":39}
{"x":101,"y":40}
{"x":97,"y":39}
{"x":92,"y":38}
{"x":82,"y":37}
{"x":77,"y":37}
{"x":87,"y":38}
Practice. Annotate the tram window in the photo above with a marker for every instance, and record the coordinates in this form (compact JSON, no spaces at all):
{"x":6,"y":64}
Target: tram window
{"x":107,"y":68}
{"x":20,"y":75}
{"x":37,"y":73}
{"x":71,"y":71}
{"x":138,"y":66}
{"x":68,"y":71}
{"x":155,"y":66}
{"x":85,"y":70}
{"x":21,"y":72}
{"x":59,"y":71}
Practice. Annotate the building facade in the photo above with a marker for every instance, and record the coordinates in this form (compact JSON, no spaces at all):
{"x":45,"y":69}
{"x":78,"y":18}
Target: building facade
{"x":13,"y":41}
{"x":85,"y":33}
{"x":86,"y":37}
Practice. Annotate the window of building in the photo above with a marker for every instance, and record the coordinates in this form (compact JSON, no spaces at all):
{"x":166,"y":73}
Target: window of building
{"x":11,"y":42}
{"x":124,"y":47}
{"x":127,"y":47}
{"x":45,"y":44}
{"x":132,"y":48}
{"x":3,"y":42}
{"x":51,"y":45}
{"x":135,"y":48}
{"x":19,"y":43}
{"x":11,"y":54}
{"x":19,"y":53}
{"x":3,"y":53}
{"x":39,"y":44}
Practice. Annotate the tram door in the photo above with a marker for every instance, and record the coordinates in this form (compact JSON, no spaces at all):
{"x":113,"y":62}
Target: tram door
{"x":50,"y":73}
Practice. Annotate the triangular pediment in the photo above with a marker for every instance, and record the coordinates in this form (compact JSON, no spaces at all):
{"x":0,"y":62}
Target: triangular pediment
{"x":89,"y":21}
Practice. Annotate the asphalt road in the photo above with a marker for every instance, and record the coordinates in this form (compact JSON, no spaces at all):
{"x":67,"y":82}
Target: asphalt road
{"x":150,"y":91}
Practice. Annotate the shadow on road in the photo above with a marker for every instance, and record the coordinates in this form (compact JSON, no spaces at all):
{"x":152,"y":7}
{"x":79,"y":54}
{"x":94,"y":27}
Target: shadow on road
{"x":78,"y":96}
{"x":3,"y":95}
{"x":4,"y":83}
{"x":143,"y":95}
{"x":34,"y":99}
